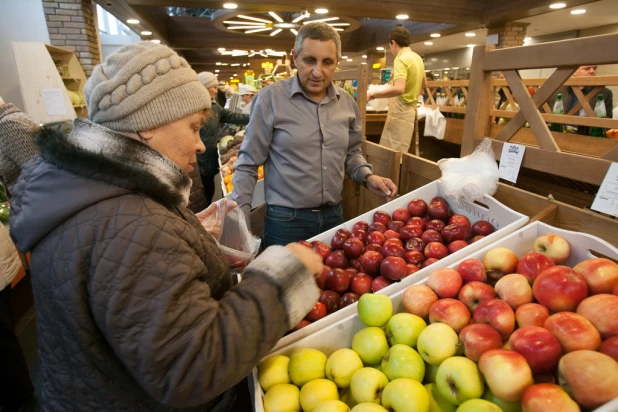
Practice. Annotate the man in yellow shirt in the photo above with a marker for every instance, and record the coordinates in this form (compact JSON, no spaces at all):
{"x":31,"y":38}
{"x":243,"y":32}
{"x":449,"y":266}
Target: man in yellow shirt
{"x":408,"y":79}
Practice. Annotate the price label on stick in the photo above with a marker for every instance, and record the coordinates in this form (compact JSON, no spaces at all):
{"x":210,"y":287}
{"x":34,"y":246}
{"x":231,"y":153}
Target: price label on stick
{"x":54,"y":101}
{"x":510,"y":161}
{"x":606,"y":200}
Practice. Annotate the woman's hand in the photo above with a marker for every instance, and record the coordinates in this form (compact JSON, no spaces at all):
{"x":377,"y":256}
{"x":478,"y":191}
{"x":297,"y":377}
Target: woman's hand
{"x":308,"y":257}
{"x":212,"y":217}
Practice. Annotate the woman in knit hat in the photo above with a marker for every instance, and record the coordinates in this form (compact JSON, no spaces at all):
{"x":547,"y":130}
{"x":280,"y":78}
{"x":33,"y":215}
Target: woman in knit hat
{"x":209,"y":165}
{"x":135,"y":305}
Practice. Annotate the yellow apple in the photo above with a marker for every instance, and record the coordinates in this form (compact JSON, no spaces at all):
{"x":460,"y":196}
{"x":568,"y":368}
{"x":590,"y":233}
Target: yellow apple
{"x":374,"y":309}
{"x":332,"y":406}
{"x":317,"y":391}
{"x":370,"y":344}
{"x":506,"y":406}
{"x":430,"y":372}
{"x":404,"y":328}
{"x":306,"y":365}
{"x":283,"y":397}
{"x":341,"y":365}
{"x":437,"y":402}
{"x":459,"y":380}
{"x":405,"y":395}
{"x":437,"y":342}
{"x":367,"y":385}
{"x":345,"y":395}
{"x":478,"y":405}
{"x":368,"y":407}
{"x":273,"y":371}
{"x":401,"y":361}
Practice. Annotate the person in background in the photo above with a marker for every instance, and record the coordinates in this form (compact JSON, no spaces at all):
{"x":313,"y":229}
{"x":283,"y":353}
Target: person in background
{"x":208,"y":161}
{"x":135,"y":305}
{"x":221,"y":94}
{"x":246,"y":93}
{"x":408,"y":79}
{"x":308,"y":134}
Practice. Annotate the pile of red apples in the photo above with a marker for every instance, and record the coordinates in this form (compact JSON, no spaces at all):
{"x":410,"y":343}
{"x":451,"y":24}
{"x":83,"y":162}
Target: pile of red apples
{"x":551,"y":330}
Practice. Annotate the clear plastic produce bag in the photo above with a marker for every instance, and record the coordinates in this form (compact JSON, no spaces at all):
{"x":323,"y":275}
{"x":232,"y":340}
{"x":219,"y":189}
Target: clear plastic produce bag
{"x":435,"y":124}
{"x":471,"y":177}
{"x":377,"y":104}
{"x":226,"y":223}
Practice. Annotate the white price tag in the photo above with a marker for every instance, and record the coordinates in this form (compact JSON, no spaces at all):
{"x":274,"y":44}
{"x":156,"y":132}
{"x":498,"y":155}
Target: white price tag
{"x":510,"y":161}
{"x":606,"y":200}
{"x":54,"y":101}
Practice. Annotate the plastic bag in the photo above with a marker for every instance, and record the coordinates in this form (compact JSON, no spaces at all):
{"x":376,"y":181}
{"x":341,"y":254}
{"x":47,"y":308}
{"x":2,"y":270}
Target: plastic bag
{"x":378,"y":104}
{"x":435,"y":124}
{"x":471,"y":177}
{"x":226,"y":223}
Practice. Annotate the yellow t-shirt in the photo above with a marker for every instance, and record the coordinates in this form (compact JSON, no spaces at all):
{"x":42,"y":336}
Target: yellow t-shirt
{"x":409,"y":66}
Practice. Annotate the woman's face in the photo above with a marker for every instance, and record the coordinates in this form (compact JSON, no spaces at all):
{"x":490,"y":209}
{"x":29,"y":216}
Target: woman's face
{"x":213,"y":91}
{"x":179,"y":140}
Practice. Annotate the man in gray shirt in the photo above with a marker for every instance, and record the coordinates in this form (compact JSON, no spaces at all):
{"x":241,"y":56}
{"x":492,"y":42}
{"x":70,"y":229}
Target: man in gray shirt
{"x":308,"y":133}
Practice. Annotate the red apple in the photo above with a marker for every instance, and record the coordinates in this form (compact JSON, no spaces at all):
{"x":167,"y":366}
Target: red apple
{"x":360,"y":225}
{"x":476,"y":239}
{"x":532,"y":264}
{"x":451,"y":233}
{"x":337,"y":242}
{"x":321,"y":249}
{"x":381,"y":217}
{"x":498,"y":314}
{"x":615,"y":290}
{"x":515,"y":290}
{"x":375,"y":247}
{"x":301,"y":325}
{"x":436,"y":225}
{"x":376,"y":237}
{"x":602,"y":311}
{"x":330,"y":299}
{"x":393,"y":249}
{"x":560,"y":289}
{"x":410,"y":269}
{"x":547,"y":377}
{"x":356,"y":264}
{"x":380,"y":283}
{"x":531,"y":314}
{"x":431,"y":235}
{"x":435,"y":250}
{"x":456,"y":246}
{"x":506,"y":372}
{"x":371,"y":262}
{"x":343,"y":231}
{"x":393,"y":268}
{"x":415,"y":245}
{"x":337,"y":259}
{"x":352,"y":272}
{"x":539,"y":346}
{"x":554,"y":246}
{"x":338,"y":280}
{"x":474,"y":293}
{"x":445,"y":282}
{"x":393,"y":241}
{"x":439,"y":199}
{"x":360,"y":235}
{"x":416,"y":221}
{"x":348,"y":299}
{"x":353,"y":248}
{"x":417,"y":300}
{"x":391,"y":234}
{"x":401,"y":214}
{"x":361,"y":284}
{"x":410,"y":232}
{"x":610,"y":347}
{"x":468,"y":233}
{"x":600,"y":274}
{"x":321,"y":281}
{"x":414,"y":258}
{"x":429,"y":261}
{"x":438,"y":210}
{"x":543,"y":397}
{"x":451,"y":312}
{"x":472,"y":270}
{"x":395,"y":225}
{"x":377,"y":227}
{"x":417,"y":207}
{"x":317,"y":313}
{"x":482,"y":228}
{"x":574,"y":332}
{"x":499,"y":262}
{"x":460,"y":220}
{"x":305,"y":244}
{"x":477,"y":339}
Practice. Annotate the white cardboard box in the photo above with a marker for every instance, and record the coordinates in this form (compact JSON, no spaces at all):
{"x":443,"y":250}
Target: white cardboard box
{"x":339,"y":335}
{"x":505,"y":221}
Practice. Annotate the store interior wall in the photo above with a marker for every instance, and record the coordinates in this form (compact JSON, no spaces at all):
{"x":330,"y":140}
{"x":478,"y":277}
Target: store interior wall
{"x":20,"y":21}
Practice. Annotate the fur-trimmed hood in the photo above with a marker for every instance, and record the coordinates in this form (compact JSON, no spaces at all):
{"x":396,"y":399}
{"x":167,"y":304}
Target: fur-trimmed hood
{"x":77,"y":171}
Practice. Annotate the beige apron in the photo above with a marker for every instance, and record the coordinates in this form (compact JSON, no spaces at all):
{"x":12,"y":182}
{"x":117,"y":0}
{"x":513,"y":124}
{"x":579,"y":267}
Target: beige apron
{"x":399,"y":126}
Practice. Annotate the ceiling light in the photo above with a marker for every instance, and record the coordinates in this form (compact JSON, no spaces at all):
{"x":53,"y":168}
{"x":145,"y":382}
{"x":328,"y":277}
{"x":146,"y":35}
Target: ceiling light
{"x":294,"y":31}
{"x":235,"y":64}
{"x":527,"y":38}
{"x":241,"y":27}
{"x":146,"y":33}
{"x":224,"y":64}
{"x":428,"y":43}
{"x":321,"y":11}
{"x":467,"y":68}
{"x":246,"y":23}
{"x":557,"y":6}
{"x":402,"y":17}
{"x":299,"y":18}
{"x":285,"y":25}
{"x":364,"y":63}
{"x":275,"y":16}
{"x":344,"y":57}
{"x":218,"y":64}
{"x":455,"y":68}
{"x":217,"y":71}
{"x":133,"y":21}
{"x":230,"y":6}
{"x":275,"y":32}
{"x":578,"y":11}
{"x":235,"y":74}
{"x":231,"y":77}
{"x":349,"y":60}
{"x":435,"y":35}
{"x":447,"y":68}
{"x":471,"y":45}
{"x":338,"y":24}
{"x":379,"y":48}
{"x":257,"y":30}
{"x":240,"y":16}
{"x":325,"y":19}
{"x":364,"y":56}
{"x":221,"y":49}
{"x":470,"y":34}
{"x":337,"y":28}
{"x":156,"y":41}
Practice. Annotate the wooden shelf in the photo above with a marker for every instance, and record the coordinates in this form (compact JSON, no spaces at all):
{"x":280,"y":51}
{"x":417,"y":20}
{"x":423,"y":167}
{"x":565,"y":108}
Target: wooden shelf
{"x":73,"y":79}
{"x":80,"y":106}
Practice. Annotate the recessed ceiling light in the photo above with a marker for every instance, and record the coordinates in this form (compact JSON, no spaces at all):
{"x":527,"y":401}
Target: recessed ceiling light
{"x":133,"y":21}
{"x":146,"y":33}
{"x":349,"y":60}
{"x":218,"y":64}
{"x":402,"y":17}
{"x":557,"y":6}
{"x":364,"y":63}
{"x":455,"y":68}
{"x":428,"y":43}
{"x":321,"y":11}
{"x":217,"y":71}
{"x":221,"y":49}
{"x":157,"y":41}
{"x":344,"y":57}
{"x":578,"y":11}
{"x":467,"y":68}
{"x":235,"y":64}
{"x":471,"y":45}
{"x":470,"y":34}
{"x":379,"y":48}
{"x":435,"y":35}
{"x":230,"y":6}
{"x":364,"y":56}
{"x":235,"y":74}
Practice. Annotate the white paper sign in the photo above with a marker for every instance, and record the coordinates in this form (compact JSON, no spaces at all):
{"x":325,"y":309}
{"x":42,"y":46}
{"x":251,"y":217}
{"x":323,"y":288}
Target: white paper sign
{"x":606,"y":200}
{"x":510,"y":161}
{"x":54,"y":101}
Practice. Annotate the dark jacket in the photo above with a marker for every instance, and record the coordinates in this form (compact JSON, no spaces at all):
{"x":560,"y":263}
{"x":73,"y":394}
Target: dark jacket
{"x":135,"y":309}
{"x":569,"y":99}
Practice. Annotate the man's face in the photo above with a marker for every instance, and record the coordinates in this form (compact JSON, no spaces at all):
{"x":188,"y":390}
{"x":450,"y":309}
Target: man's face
{"x":392,"y":47}
{"x":316,"y":65}
{"x":586,"y":71}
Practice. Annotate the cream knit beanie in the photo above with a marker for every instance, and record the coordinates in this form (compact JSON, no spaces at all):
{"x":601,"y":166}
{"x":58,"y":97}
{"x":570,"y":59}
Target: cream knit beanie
{"x":142,"y":86}
{"x":208,"y":79}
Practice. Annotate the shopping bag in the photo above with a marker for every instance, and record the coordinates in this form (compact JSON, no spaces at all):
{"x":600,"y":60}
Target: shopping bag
{"x":435,"y":124}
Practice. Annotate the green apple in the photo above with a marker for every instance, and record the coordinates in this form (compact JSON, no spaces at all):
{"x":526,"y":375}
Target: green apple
{"x":332,"y":406}
{"x":272,"y":371}
{"x":436,"y":343}
{"x":345,"y":395}
{"x":368,"y":407}
{"x":378,"y":366}
{"x":506,"y":406}
{"x":341,"y":365}
{"x":404,"y":328}
{"x":401,"y":361}
{"x":430,"y":373}
{"x":374,"y":309}
{"x":459,"y":380}
{"x":437,"y":403}
{"x":370,"y":344}
{"x":317,"y":391}
{"x":478,"y":405}
{"x":306,"y":364}
{"x":405,"y":395}
{"x":282,"y":397}
{"x":367,"y":385}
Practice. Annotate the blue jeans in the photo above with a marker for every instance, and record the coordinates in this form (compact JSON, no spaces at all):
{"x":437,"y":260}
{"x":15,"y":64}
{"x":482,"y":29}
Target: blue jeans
{"x":283,"y":225}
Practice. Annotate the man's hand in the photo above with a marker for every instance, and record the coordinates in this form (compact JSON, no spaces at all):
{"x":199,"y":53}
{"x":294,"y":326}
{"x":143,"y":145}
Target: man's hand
{"x":214,"y":215}
{"x":382,"y":187}
{"x":308,"y":257}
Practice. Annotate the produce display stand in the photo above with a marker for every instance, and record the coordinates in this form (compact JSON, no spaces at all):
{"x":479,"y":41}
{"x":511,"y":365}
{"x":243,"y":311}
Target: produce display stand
{"x":339,"y":334}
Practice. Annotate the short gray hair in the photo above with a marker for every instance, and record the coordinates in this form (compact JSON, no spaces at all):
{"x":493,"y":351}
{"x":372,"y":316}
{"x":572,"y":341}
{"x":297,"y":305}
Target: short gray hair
{"x":317,"y":31}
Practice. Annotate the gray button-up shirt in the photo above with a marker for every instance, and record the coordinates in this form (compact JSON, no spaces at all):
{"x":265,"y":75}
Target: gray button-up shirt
{"x":305,"y":147}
